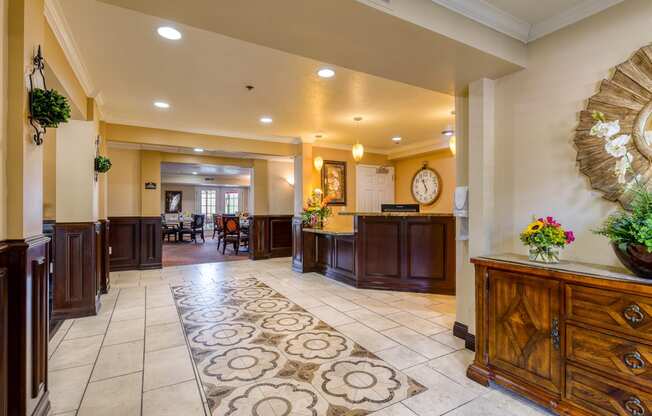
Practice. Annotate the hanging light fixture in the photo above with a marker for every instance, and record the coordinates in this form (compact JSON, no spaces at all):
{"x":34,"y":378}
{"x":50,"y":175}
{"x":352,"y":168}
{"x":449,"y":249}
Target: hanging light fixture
{"x":358,"y":149}
{"x":452,"y":144}
{"x":318,"y":162}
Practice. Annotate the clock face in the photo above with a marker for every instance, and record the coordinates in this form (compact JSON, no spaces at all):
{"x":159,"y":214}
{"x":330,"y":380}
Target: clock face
{"x":426,"y":186}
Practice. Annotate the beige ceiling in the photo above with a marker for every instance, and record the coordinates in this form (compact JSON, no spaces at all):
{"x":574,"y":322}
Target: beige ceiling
{"x":534,"y":11}
{"x":171,"y":168}
{"x":203,"y":77}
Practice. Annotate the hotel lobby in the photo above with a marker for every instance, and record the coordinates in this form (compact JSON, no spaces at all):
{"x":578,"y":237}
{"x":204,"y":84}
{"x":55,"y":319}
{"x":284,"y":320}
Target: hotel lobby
{"x":350,"y":207}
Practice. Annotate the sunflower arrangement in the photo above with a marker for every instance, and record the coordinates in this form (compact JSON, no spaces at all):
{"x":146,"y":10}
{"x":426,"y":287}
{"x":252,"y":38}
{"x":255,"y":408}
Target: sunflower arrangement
{"x":544,"y":237}
{"x":316,"y":210}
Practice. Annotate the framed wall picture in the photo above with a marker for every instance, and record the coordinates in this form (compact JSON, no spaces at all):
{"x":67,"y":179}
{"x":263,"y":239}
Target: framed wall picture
{"x":333,"y":181}
{"x":173,"y":202}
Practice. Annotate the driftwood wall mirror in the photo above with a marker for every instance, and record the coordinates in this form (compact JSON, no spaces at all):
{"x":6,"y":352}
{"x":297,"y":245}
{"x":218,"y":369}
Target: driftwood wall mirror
{"x":616,"y":153}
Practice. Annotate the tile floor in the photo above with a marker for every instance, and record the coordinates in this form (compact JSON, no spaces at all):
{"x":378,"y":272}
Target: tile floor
{"x":255,"y":338}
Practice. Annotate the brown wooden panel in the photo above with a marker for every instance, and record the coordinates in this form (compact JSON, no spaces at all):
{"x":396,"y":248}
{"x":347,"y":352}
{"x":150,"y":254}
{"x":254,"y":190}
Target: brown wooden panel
{"x":280,"y":231}
{"x":614,"y":356}
{"x":381,"y":248}
{"x":426,"y":248}
{"x":76,"y":292}
{"x":297,"y":244}
{"x":324,"y":247}
{"x":4,"y":338}
{"x":124,"y":240}
{"x":27,"y":325}
{"x":105,"y":276}
{"x":271,"y":236}
{"x":601,"y":396}
{"x":344,"y":254}
{"x":151,"y":244}
{"x":522,"y":314}
{"x":615,"y":310}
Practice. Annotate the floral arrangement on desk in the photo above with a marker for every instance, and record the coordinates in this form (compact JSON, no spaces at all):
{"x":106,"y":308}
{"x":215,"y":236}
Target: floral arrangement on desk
{"x":545,"y":237}
{"x":316,"y":210}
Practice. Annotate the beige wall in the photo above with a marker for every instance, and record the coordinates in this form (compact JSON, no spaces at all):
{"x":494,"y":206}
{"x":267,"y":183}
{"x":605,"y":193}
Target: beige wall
{"x":443,"y":162}
{"x":336,"y":220}
{"x":190,"y":197}
{"x":3,"y":118}
{"x":50,"y":175}
{"x":150,"y":171}
{"x":280,"y":192}
{"x":536,"y":115}
{"x":124,"y":183}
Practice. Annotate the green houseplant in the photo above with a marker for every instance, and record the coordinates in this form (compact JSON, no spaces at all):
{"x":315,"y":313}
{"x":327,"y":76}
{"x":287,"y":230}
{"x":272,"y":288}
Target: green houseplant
{"x":102,"y":164}
{"x":48,"y":107}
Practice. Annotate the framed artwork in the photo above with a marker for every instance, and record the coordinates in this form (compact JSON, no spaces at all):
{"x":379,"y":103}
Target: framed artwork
{"x":173,"y":202}
{"x":333,"y":181}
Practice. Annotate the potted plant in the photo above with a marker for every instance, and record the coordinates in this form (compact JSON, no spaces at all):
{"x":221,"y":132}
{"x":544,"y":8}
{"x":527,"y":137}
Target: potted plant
{"x":630,"y":234}
{"x":102,"y":164}
{"x":545,"y":237}
{"x":316,"y":211}
{"x":48,"y":107}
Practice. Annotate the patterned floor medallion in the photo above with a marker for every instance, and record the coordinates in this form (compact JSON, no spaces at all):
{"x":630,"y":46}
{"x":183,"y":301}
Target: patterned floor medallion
{"x":259,"y":354}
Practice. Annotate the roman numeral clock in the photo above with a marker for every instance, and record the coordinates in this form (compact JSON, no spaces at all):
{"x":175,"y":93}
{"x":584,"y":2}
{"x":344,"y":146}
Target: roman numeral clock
{"x":426,"y":185}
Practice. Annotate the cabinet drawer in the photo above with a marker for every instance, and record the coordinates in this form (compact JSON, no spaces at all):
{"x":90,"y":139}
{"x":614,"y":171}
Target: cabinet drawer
{"x":623,"y":312}
{"x":603,"y":397}
{"x":618,"y":357}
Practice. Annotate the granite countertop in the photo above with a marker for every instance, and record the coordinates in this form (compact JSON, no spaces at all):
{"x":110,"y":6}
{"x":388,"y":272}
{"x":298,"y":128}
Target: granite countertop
{"x":396,"y":214}
{"x":328,"y":231}
{"x":587,"y":269}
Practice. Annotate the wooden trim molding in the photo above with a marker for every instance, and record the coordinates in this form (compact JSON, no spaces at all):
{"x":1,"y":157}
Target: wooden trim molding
{"x":105,"y":276}
{"x":23,"y":314}
{"x":135,"y":243}
{"x":461,"y":331}
{"x":270,"y":236}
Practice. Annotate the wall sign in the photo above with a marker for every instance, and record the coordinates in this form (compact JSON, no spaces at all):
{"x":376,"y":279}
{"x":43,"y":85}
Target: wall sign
{"x":150,"y":185}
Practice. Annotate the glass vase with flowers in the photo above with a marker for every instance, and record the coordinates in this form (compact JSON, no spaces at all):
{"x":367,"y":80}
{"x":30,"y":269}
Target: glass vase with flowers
{"x":316,"y":210}
{"x":544,"y":238}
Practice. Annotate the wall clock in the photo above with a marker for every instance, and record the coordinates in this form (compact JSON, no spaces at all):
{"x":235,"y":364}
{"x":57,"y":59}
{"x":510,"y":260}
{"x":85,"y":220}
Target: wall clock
{"x":426,"y":186}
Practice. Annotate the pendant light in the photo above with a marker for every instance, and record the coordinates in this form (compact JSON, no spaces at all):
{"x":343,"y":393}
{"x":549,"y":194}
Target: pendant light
{"x":358,"y":149}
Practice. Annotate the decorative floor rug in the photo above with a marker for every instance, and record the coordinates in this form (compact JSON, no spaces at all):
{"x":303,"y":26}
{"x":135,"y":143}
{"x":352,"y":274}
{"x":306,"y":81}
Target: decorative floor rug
{"x":257,"y":353}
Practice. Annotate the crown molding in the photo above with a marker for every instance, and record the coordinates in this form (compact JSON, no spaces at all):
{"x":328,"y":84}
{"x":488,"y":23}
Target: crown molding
{"x":581,"y":11}
{"x":348,"y":147}
{"x":503,"y":22}
{"x":57,"y":21}
{"x":419,"y":148}
{"x":488,"y":15}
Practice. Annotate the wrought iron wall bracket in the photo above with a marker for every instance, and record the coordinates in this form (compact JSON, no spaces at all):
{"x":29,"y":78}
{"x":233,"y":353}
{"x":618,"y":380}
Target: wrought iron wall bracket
{"x":38,"y":65}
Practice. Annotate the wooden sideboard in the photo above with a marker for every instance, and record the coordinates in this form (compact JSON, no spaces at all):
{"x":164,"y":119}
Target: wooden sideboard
{"x":576,"y":338}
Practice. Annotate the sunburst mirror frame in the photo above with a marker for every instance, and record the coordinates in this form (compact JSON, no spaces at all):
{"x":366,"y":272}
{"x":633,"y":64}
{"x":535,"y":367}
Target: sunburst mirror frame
{"x":627,"y":97}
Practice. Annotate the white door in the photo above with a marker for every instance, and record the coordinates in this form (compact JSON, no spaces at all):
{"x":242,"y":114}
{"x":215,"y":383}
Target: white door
{"x":375,"y":186}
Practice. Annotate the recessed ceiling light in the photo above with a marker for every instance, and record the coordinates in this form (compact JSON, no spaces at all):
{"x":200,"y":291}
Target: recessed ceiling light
{"x":169,"y":33}
{"x":397,"y":139}
{"x":448,"y":132}
{"x":198,"y":149}
{"x":194,"y":173}
{"x":161,"y":104}
{"x":326,"y":73}
{"x":266,"y":119}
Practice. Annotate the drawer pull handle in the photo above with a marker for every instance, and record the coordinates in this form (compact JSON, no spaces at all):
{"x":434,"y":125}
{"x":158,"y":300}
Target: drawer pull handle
{"x":634,"y":407}
{"x":554,"y":333}
{"x":633,"y":314}
{"x":633,"y":360}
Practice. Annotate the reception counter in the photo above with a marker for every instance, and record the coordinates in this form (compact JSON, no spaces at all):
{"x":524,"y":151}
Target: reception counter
{"x":396,"y":251}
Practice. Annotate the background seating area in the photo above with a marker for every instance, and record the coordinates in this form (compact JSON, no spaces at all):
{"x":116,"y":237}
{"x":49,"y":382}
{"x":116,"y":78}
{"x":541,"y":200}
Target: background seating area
{"x":228,"y":230}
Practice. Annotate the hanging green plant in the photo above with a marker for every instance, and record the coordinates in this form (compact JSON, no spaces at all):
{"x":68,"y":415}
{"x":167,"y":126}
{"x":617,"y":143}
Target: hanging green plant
{"x":102,"y":164}
{"x":49,"y":108}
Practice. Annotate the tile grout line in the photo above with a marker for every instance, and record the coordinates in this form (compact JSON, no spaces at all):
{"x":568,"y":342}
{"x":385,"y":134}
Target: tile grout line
{"x":90,"y":376}
{"x":142,"y":377}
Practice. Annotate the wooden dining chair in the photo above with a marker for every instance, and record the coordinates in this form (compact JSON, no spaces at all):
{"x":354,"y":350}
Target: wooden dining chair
{"x":196,"y":228}
{"x":233,"y":233}
{"x":218,"y":228}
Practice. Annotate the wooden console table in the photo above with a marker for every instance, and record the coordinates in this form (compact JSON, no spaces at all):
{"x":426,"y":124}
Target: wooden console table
{"x":576,"y":338}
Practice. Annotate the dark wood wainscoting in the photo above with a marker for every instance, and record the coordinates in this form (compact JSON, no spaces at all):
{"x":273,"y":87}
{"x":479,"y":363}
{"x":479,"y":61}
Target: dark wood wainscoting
{"x":270,"y":236}
{"x":415,"y":253}
{"x":76,"y":270}
{"x":105,"y":280}
{"x":24,"y":326}
{"x":135,"y":243}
